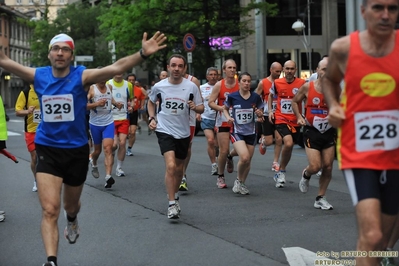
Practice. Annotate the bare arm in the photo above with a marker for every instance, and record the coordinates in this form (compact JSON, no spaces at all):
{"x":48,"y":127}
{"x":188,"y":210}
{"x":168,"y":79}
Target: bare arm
{"x":151,"y":113}
{"x":259,"y":89}
{"x":149,"y":47}
{"x":25,"y":73}
{"x":214,"y":96}
{"x":299,"y":97}
{"x":331,"y":80}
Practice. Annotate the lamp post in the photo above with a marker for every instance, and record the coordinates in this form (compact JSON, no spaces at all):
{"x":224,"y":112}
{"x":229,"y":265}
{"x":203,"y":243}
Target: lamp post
{"x":299,"y":27}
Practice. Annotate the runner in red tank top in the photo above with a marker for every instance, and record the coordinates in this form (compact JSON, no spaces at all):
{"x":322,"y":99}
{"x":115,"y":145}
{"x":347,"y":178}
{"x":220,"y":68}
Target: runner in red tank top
{"x":267,"y":128}
{"x":286,"y":125}
{"x":367,"y":115}
{"x":318,"y":136}
{"x":216,"y":101}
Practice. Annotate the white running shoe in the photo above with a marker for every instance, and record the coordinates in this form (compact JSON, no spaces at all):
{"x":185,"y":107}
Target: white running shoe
{"x":94,"y":171}
{"x":71,"y":231}
{"x":119,"y":172}
{"x":34,"y":189}
{"x":178,"y":206}
{"x":214,"y":170}
{"x":173,"y":212}
{"x":318,"y":173}
{"x":2,"y":216}
{"x":304,"y":183}
{"x":129,"y":152}
{"x":236,"y":187}
{"x":323,"y":204}
{"x":279,"y":178}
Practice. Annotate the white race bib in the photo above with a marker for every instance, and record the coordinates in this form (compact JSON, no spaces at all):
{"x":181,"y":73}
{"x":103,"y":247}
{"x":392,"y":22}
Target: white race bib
{"x":174,"y":106}
{"x":37,"y":116}
{"x":58,"y":108}
{"x":244,"y":116}
{"x":377,"y":130}
{"x":286,"y":106}
{"x":321,"y":124}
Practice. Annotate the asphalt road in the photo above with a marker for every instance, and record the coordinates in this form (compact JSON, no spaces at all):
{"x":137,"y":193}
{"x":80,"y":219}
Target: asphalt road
{"x":127,"y":225}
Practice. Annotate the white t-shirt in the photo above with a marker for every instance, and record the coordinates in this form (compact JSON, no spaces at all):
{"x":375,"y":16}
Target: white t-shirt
{"x":206,"y":91}
{"x":174,"y":112}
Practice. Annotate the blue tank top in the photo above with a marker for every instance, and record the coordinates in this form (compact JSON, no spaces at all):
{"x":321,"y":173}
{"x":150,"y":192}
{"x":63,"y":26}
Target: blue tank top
{"x":63,"y":106}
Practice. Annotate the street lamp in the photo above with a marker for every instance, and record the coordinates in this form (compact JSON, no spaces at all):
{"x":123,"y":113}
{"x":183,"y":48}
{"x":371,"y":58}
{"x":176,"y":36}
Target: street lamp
{"x":298,"y":26}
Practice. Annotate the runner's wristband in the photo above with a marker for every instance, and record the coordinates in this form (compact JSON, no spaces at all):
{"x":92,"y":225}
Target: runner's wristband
{"x":142,"y":55}
{"x":150,"y":120}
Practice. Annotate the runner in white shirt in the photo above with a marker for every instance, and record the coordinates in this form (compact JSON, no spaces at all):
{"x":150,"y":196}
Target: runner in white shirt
{"x":176,"y":96}
{"x":102,"y":127}
{"x":208,"y":118}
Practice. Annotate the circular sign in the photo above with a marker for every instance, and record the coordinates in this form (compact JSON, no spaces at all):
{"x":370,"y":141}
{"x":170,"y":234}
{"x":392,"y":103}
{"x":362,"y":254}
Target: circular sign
{"x":189,"y":42}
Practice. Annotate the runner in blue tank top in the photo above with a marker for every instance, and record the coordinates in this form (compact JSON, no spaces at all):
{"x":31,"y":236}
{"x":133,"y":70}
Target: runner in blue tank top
{"x":61,"y":139}
{"x":246,"y":107}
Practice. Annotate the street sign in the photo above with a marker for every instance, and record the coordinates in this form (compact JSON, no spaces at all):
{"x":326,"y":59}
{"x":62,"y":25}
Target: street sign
{"x":189,"y":57}
{"x":189,"y":42}
{"x":84,"y":58}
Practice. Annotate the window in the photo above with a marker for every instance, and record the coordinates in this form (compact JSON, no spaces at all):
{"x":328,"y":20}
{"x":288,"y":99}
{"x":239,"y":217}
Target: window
{"x":62,"y":2}
{"x":31,"y":2}
{"x":18,"y":2}
{"x":289,"y":12}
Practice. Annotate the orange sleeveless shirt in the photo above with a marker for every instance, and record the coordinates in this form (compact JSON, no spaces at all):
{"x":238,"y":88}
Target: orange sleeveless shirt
{"x":285,"y":92}
{"x":316,"y":110}
{"x":224,"y":91}
{"x":369,"y":136}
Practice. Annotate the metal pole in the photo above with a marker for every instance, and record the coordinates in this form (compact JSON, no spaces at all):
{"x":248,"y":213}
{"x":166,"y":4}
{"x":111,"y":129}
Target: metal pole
{"x":309,"y":47}
{"x":260,"y":35}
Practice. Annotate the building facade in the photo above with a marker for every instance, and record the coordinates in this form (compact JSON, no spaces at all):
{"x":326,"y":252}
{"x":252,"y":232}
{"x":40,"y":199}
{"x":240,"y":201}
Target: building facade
{"x":14,"y":36}
{"x":276,"y":40}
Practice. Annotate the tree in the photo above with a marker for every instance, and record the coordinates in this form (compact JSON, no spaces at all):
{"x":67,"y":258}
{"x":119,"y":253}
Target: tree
{"x":80,"y":22}
{"x":125,"y":23}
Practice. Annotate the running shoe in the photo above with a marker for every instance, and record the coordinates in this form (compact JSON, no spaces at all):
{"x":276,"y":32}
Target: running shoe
{"x":94,"y":172}
{"x":236,"y":187}
{"x":304,"y":183}
{"x":279,"y":178}
{"x":318,"y":173}
{"x":323,"y":204}
{"x":71,"y":231}
{"x":49,"y":263}
{"x":230,"y":165}
{"x":243,"y":189}
{"x":275,"y":167}
{"x":2,"y":216}
{"x":214,"y":170}
{"x":173,"y":212}
{"x":109,"y":182}
{"x":129,"y":152}
{"x":34,"y":188}
{"x":240,"y":188}
{"x":221,"y":182}
{"x":387,"y":261}
{"x":183,"y":185}
{"x":178,"y":206}
{"x":262,"y":147}
{"x":119,"y":172}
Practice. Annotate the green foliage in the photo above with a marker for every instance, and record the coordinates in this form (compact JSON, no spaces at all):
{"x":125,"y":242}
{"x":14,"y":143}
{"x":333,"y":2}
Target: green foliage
{"x":126,"y":21}
{"x":80,"y":22}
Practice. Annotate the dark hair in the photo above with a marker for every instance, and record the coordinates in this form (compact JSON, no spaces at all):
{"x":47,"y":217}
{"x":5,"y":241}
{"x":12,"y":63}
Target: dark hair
{"x":244,"y":74}
{"x":177,"y":56}
{"x":131,"y":75}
